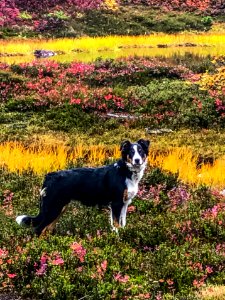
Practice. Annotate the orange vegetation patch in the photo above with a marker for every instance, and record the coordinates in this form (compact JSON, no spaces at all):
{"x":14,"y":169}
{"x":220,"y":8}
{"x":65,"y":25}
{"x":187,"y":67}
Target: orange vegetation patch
{"x":42,"y":158}
{"x":216,"y":292}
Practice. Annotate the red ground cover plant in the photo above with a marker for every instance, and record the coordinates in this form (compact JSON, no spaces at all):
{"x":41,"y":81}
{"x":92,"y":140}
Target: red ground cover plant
{"x":49,"y":83}
{"x":48,"y":5}
{"x":189,"y":5}
{"x":9,"y":12}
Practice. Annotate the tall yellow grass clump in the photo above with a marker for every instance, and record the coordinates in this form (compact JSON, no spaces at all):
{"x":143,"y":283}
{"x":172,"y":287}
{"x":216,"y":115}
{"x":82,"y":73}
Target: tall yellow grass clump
{"x":177,"y":160}
{"x":182,"y":161}
{"x":216,"y":292}
{"x":42,"y":158}
{"x":216,"y":41}
{"x":88,"y":49}
{"x":15,"y":157}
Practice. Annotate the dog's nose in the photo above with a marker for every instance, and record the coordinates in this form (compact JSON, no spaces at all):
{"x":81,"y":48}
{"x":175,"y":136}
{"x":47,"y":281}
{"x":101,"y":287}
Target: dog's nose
{"x":137,"y":161}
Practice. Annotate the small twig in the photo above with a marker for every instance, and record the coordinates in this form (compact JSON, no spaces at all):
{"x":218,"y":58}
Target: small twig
{"x":84,"y":297}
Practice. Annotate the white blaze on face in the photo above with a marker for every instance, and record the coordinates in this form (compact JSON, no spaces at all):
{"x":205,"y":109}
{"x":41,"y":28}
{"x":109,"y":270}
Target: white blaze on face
{"x":136,"y":159}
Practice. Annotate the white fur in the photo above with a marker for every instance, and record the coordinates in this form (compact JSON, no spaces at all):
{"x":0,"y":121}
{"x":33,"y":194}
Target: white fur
{"x":132,"y":189}
{"x":19,"y":219}
{"x":111,"y":221}
{"x":123,"y":213}
{"x":136,"y":155}
{"x":43,"y":192}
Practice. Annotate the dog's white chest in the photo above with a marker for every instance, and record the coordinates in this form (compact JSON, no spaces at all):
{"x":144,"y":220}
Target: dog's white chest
{"x":132,"y":188}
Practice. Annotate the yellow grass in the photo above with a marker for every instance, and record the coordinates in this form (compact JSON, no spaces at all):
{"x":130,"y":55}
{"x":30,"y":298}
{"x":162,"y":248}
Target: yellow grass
{"x":182,"y":161}
{"x":110,"y":42}
{"x":17,"y":158}
{"x":178,"y":160}
{"x":115,"y":46}
{"x":41,"y":158}
{"x":216,"y":292}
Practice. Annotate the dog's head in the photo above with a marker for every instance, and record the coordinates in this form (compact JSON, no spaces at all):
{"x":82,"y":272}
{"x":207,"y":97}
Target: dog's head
{"x":135,"y":154}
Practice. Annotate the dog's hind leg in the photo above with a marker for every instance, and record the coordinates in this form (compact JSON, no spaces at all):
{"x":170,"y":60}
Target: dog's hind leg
{"x":111,"y":221}
{"x":49,"y":222}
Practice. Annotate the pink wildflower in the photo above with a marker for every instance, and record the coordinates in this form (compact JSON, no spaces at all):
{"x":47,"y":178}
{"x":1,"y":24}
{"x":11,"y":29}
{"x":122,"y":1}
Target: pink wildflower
{"x":170,"y":282}
{"x":108,"y":97}
{"x":3,"y":253}
{"x":11,"y":275}
{"x":43,"y":266}
{"x":120,"y":278}
{"x":58,"y":261}
{"x":131,"y":209}
{"x":75,"y":101}
{"x":209,"y":269}
{"x":78,"y":250}
{"x":104,"y":265}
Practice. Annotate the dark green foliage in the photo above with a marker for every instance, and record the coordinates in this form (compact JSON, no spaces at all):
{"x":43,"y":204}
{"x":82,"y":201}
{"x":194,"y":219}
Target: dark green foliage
{"x":129,"y":20}
{"x":68,"y":118}
{"x":196,"y":63}
{"x":156,"y":176}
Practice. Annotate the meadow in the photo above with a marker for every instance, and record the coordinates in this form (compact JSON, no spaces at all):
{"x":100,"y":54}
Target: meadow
{"x":74,"y":109}
{"x":173,"y":245}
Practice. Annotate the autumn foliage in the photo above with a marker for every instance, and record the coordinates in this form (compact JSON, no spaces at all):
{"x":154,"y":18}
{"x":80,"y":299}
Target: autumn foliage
{"x":10,"y":10}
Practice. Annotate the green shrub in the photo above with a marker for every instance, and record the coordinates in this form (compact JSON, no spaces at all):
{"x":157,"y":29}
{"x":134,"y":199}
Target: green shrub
{"x":69,"y":118}
{"x":207,"y":20}
{"x":194,"y":62}
{"x":25,"y":15}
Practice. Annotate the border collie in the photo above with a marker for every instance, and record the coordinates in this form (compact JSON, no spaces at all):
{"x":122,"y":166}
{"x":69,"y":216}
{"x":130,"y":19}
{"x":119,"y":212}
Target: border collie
{"x":114,"y":185}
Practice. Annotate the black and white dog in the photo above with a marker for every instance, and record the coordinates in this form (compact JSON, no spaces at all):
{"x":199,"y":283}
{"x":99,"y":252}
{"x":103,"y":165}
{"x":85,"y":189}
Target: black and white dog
{"x":114,"y":185}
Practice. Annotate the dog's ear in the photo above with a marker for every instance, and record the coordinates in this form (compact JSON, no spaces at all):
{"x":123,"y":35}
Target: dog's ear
{"x":125,"y":146}
{"x":145,"y":145}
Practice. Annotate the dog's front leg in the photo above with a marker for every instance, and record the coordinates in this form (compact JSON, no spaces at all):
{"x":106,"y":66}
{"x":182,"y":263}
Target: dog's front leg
{"x":115,"y":215}
{"x":123,"y":214}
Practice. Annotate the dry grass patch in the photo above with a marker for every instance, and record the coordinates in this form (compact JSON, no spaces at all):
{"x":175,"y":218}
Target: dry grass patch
{"x":182,"y":161}
{"x":216,"y":292}
{"x":41,"y":157}
{"x":89,"y":48}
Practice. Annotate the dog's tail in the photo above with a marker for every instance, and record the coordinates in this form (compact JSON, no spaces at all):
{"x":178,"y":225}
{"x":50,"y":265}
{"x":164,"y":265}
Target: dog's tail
{"x":25,"y":220}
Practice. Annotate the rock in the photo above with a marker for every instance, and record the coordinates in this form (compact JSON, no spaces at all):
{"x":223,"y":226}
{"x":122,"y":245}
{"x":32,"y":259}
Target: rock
{"x":44,"y":53}
{"x":121,"y":116}
{"x":158,"y":130}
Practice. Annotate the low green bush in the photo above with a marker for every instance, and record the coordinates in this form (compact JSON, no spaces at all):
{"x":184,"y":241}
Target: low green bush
{"x":196,"y":63}
{"x":69,"y":118}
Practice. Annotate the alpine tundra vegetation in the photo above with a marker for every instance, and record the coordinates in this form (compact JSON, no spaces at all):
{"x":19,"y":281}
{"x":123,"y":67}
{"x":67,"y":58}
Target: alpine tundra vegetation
{"x":77,"y":78}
